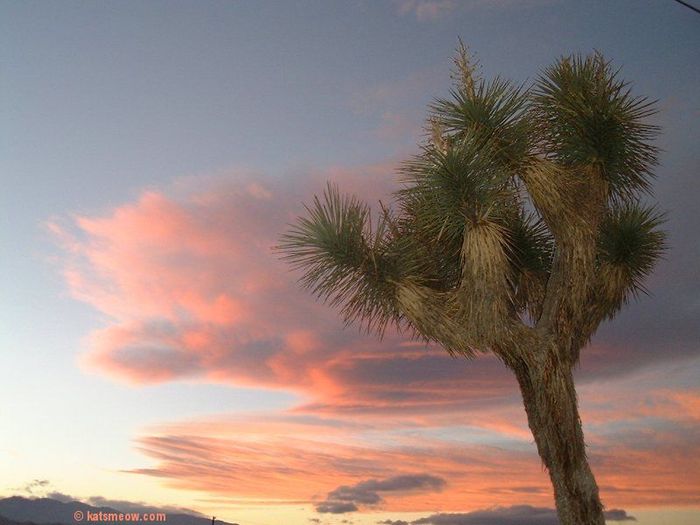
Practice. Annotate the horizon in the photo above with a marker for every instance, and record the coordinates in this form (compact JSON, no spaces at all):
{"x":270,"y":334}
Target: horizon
{"x":158,"y":352}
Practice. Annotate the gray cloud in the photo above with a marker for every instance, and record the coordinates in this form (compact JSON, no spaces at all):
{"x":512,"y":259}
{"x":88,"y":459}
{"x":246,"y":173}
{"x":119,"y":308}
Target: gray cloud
{"x":34,"y":485}
{"x":60,"y":496}
{"x":515,"y":515}
{"x":618,"y":515}
{"x":335,"y":507}
{"x":346,"y":497}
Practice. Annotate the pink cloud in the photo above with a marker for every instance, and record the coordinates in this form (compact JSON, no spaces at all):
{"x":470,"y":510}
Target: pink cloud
{"x":633,"y":450}
{"x":191,"y":289}
{"x":302,"y":457}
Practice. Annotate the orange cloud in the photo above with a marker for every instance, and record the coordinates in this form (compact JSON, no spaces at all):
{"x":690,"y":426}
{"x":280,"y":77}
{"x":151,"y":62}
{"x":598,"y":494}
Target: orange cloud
{"x":302,"y":458}
{"x":190,"y":288}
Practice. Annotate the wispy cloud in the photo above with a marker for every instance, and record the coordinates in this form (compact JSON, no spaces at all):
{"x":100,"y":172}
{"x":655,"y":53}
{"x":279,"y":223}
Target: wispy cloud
{"x":430,"y":10}
{"x":307,"y":463}
{"x":426,"y":9}
{"x":514,"y":515}
{"x":297,"y":457}
{"x":190,"y":289}
{"x":34,"y":487}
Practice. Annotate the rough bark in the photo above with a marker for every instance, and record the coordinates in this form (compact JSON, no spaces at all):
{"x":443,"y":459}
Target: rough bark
{"x":549,"y":397}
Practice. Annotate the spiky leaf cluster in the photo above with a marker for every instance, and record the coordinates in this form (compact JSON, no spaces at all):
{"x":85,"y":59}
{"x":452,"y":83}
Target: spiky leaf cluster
{"x":344,"y":261}
{"x":487,"y":114}
{"x":585,"y":116}
{"x":509,"y":178}
{"x":445,"y":191}
{"x":631,"y":242}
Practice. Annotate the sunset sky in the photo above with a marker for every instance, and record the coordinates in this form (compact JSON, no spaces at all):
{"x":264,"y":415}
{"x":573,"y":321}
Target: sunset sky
{"x":153,"y":348}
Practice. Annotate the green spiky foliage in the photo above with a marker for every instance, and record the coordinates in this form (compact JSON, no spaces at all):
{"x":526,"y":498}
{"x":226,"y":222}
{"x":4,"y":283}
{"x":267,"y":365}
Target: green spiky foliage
{"x":517,"y":230}
{"x":588,"y":117}
{"x":577,"y":141}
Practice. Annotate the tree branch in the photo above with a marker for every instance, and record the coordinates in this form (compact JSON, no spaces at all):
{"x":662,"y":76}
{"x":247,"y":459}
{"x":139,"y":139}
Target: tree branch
{"x":572,"y":205}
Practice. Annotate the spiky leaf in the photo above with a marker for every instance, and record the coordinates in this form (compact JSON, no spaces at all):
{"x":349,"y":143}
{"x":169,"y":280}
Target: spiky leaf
{"x":586,"y":116}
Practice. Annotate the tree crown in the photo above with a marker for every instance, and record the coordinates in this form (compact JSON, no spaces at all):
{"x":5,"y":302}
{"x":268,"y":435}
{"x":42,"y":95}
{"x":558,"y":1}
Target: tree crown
{"x":522,"y":214}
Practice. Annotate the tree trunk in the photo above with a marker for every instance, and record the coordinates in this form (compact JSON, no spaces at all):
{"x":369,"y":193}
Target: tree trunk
{"x":549,"y":397}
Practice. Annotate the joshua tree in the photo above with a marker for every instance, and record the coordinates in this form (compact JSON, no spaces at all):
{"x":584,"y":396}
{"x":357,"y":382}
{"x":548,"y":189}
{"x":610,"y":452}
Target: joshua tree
{"x":517,"y":230}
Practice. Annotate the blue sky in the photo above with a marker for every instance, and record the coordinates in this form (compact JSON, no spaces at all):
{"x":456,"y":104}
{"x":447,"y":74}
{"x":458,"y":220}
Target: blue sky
{"x":103,"y":101}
